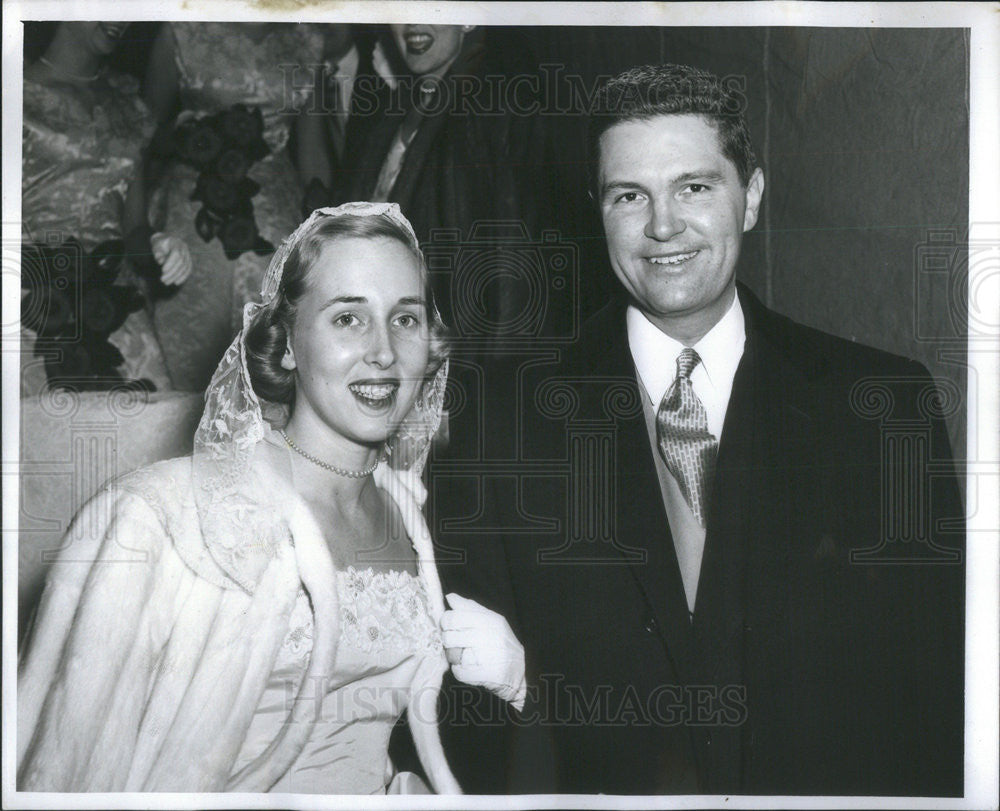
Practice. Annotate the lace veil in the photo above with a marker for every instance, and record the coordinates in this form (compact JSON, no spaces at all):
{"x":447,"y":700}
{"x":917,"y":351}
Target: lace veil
{"x":235,"y":421}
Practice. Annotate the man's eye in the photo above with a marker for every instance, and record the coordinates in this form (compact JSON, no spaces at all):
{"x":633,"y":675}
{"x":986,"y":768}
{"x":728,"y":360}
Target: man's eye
{"x":697,"y":187}
{"x":627,"y":197}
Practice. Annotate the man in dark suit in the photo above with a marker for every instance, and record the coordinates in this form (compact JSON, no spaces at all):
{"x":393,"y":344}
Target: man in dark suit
{"x":734,"y":550}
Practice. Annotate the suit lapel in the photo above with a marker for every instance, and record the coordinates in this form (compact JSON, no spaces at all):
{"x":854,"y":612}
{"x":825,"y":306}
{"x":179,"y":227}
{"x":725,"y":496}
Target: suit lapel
{"x":783,"y":444}
{"x":768,"y":432}
{"x":366,"y":147}
{"x":405,"y":191}
{"x":719,"y":609}
{"x":641,"y":520}
{"x":409,"y":192}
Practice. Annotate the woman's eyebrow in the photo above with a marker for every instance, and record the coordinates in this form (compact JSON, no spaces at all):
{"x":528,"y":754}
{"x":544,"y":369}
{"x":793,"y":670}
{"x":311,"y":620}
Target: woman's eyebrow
{"x":406,"y":300}
{"x":344,"y":300}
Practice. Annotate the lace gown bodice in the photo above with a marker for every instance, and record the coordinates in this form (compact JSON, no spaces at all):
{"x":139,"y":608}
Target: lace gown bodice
{"x":386,"y":631}
{"x":219,"y":65}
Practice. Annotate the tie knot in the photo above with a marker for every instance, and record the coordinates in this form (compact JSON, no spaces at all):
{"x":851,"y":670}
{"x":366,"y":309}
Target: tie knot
{"x":686,"y":361}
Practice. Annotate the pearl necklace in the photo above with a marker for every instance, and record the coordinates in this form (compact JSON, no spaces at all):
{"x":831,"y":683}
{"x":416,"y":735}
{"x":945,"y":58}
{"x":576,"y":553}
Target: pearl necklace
{"x":67,"y":75}
{"x":351,"y":474}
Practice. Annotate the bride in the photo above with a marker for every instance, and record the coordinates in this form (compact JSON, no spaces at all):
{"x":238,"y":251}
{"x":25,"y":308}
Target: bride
{"x":257,"y":616}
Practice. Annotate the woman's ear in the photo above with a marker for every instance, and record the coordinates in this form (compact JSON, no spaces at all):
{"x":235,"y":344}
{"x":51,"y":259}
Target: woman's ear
{"x":288,"y":359}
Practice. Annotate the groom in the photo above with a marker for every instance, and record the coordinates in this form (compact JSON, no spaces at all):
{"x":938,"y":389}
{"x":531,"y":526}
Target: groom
{"x":726,"y":557}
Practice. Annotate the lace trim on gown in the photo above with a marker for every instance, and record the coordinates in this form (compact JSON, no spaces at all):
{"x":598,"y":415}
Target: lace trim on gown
{"x":386,"y":611}
{"x":380,"y":612}
{"x":386,"y":633}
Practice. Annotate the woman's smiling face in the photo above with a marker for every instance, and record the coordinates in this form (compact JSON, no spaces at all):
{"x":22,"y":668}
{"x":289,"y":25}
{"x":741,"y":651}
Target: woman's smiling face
{"x":360,"y":342}
{"x":429,"y":49}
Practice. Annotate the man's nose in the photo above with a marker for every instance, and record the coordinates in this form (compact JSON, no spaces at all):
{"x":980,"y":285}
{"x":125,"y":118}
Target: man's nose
{"x":665,"y":221}
{"x":380,"y":351}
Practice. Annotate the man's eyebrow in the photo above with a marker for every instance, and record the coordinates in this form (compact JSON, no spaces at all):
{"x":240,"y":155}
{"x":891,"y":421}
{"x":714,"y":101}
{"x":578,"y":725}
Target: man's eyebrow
{"x":406,"y":300}
{"x":706,"y":175}
{"x":620,"y":185}
{"x":711,"y":175}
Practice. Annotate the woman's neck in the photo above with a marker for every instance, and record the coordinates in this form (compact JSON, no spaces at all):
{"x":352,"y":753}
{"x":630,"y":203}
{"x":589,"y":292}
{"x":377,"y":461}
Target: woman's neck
{"x":326,"y":463}
{"x":68,"y":60}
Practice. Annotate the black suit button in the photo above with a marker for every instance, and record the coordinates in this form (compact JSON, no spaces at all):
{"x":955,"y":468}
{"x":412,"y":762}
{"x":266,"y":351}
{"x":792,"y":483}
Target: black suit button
{"x":650,"y":625}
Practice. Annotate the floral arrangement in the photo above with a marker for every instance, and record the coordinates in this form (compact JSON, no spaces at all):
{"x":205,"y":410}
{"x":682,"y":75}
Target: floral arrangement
{"x":73,"y":305}
{"x":222,"y":147}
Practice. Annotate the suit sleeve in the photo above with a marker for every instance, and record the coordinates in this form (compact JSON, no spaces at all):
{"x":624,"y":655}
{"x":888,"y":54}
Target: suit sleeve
{"x":916,"y":601}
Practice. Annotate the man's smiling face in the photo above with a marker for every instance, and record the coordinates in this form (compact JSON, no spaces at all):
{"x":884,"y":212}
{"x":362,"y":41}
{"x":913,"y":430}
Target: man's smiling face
{"x":674,"y":213}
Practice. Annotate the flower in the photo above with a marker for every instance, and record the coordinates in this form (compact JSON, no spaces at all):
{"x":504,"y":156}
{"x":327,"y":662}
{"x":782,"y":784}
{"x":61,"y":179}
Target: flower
{"x":242,"y":125}
{"x":47,"y":311}
{"x":198,"y":143}
{"x":232,"y":165}
{"x":91,"y":357}
{"x":218,"y":196}
{"x":224,"y":146}
{"x":104,"y":309}
{"x":238,"y":234}
{"x":97,"y":309}
{"x":104,"y":263}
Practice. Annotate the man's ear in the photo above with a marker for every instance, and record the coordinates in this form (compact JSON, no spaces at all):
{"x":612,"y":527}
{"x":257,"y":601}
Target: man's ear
{"x":755,"y":191}
{"x":288,"y":359}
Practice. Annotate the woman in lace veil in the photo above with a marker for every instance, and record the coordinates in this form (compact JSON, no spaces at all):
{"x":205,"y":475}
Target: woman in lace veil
{"x":256,"y":617}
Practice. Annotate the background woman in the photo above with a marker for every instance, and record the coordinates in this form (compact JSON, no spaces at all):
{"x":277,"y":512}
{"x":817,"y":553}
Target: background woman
{"x":275,"y":606}
{"x":84,"y":131}
{"x":204,"y":68}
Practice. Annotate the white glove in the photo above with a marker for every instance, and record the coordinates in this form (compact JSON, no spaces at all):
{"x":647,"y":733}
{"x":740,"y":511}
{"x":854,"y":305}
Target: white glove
{"x":173,"y":256}
{"x":483,"y":650}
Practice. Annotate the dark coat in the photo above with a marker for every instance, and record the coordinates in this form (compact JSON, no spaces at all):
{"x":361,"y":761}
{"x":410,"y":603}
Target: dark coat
{"x":469,"y":165}
{"x":817,"y":662}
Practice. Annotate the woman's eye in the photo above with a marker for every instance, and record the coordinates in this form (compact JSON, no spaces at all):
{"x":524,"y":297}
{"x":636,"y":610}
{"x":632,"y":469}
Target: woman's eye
{"x":346,"y":320}
{"x":408,"y":321}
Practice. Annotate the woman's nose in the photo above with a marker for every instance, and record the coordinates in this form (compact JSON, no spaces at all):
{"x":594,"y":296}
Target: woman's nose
{"x":380,"y":351}
{"x":664,"y":222}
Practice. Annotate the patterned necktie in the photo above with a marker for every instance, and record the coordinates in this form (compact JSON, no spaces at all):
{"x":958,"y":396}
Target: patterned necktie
{"x":682,"y":434}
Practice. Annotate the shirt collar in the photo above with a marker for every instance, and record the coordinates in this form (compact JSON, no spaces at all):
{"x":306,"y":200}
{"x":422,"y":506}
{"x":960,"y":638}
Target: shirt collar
{"x":347,"y":65}
{"x":654,"y":352}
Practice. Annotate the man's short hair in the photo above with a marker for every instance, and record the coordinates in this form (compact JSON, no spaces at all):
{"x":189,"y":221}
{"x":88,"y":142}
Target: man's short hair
{"x":649,"y":91}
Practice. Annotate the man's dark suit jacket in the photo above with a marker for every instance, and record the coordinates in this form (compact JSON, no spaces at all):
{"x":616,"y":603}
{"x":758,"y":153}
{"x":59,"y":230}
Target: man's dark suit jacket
{"x":804,"y":670}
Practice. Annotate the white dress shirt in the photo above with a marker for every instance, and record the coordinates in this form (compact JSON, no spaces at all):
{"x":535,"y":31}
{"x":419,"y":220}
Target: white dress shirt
{"x":655,"y":356}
